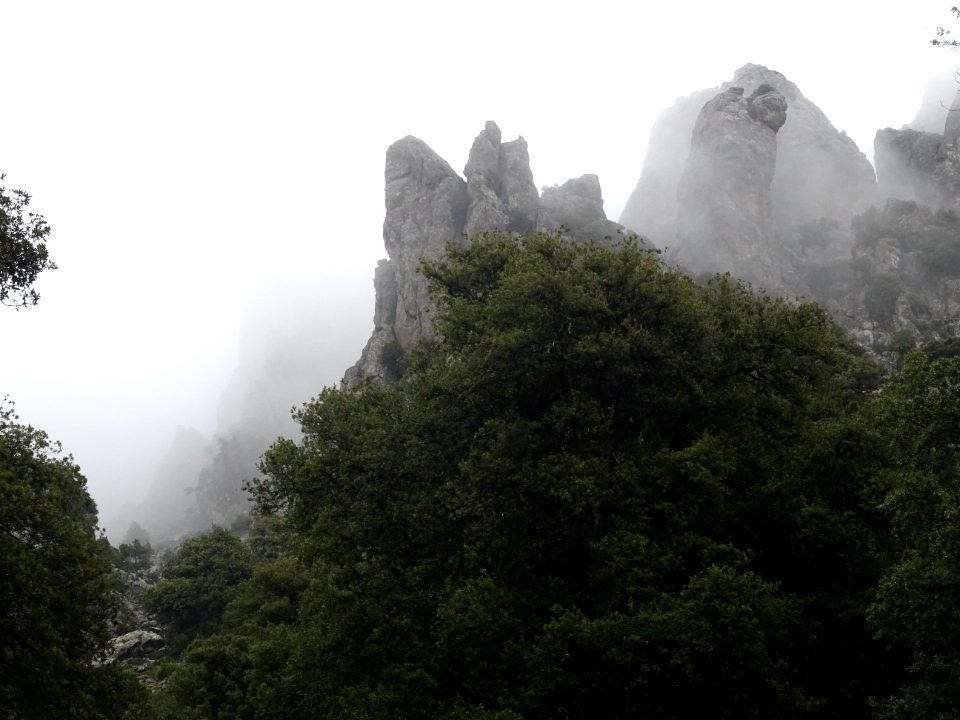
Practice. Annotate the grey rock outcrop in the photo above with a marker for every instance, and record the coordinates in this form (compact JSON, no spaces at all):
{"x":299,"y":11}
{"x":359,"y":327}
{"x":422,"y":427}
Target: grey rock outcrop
{"x":820,"y":174}
{"x":500,"y":185}
{"x":725,"y":218}
{"x":577,"y":205}
{"x":135,"y":644}
{"x":651,"y":209}
{"x":380,"y":358}
{"x":921,"y":166}
{"x":428,"y":205}
{"x":904,"y":287}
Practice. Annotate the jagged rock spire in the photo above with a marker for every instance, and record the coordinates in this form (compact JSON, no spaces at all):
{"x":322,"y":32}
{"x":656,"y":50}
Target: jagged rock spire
{"x":429,"y":205}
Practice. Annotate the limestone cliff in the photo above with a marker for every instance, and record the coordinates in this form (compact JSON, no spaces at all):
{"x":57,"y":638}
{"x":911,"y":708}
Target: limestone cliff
{"x":902,"y":283}
{"x":429,"y":205}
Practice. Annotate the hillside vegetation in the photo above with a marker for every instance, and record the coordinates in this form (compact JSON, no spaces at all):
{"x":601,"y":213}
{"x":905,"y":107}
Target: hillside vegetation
{"x":605,"y":490}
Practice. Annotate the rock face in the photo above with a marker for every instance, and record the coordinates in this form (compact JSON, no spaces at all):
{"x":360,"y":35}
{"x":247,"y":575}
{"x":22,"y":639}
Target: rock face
{"x":651,"y":209}
{"x":500,"y":185}
{"x":135,"y":644}
{"x":429,"y":205}
{"x":725,"y":214}
{"x":577,"y":205}
{"x":426,"y":207}
{"x":904,"y":286}
{"x":819,"y":175}
{"x":906,"y":165}
{"x":921,"y":166}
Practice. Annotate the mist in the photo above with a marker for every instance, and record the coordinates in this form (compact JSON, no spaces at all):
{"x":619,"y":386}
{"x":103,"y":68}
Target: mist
{"x":214,"y":178}
{"x":294,"y":339}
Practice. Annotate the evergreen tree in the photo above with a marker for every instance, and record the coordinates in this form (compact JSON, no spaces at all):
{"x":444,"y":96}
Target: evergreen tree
{"x":917,"y":610}
{"x":56,"y":591}
{"x":23,"y":249}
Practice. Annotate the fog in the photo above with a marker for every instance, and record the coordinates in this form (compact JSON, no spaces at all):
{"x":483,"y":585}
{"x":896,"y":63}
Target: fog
{"x":213,"y":173}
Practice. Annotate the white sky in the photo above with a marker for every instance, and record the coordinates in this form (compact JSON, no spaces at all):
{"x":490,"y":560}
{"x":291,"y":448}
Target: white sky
{"x":193,"y":157}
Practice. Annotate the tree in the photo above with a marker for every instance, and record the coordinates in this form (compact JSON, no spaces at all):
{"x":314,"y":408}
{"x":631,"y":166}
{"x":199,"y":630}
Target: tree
{"x":56,"y":592}
{"x":239,"y":672}
{"x":943,"y":38}
{"x":134,"y":557}
{"x":197,"y":584}
{"x":23,"y":249}
{"x":916,"y":609}
{"x":606,"y":490}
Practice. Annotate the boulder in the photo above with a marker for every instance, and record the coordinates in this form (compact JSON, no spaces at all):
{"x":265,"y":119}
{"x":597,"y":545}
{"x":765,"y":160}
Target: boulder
{"x":135,"y":644}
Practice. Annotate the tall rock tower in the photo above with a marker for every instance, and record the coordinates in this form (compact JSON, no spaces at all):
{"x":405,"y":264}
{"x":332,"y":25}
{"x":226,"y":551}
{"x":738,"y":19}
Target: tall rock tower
{"x":820,"y":178}
{"x":725,"y":220}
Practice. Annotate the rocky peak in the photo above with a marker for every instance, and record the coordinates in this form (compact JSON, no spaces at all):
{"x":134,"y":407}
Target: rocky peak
{"x":500,"y":184}
{"x":429,"y":205}
{"x":426,"y":207}
{"x":819,"y":172}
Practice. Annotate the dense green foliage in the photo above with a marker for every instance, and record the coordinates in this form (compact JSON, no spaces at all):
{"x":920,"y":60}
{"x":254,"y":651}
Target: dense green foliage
{"x":917,"y":608}
{"x":199,"y":582}
{"x":134,"y":557}
{"x":56,"y":593}
{"x":23,"y":249}
{"x":605,"y":490}
{"x":247,"y":594}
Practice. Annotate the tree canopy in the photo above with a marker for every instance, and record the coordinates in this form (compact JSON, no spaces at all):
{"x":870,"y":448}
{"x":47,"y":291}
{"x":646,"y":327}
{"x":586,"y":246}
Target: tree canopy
{"x":56,"y":591}
{"x":916,"y":609}
{"x":606,"y":490}
{"x":23,"y":249}
{"x":199,"y":581}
